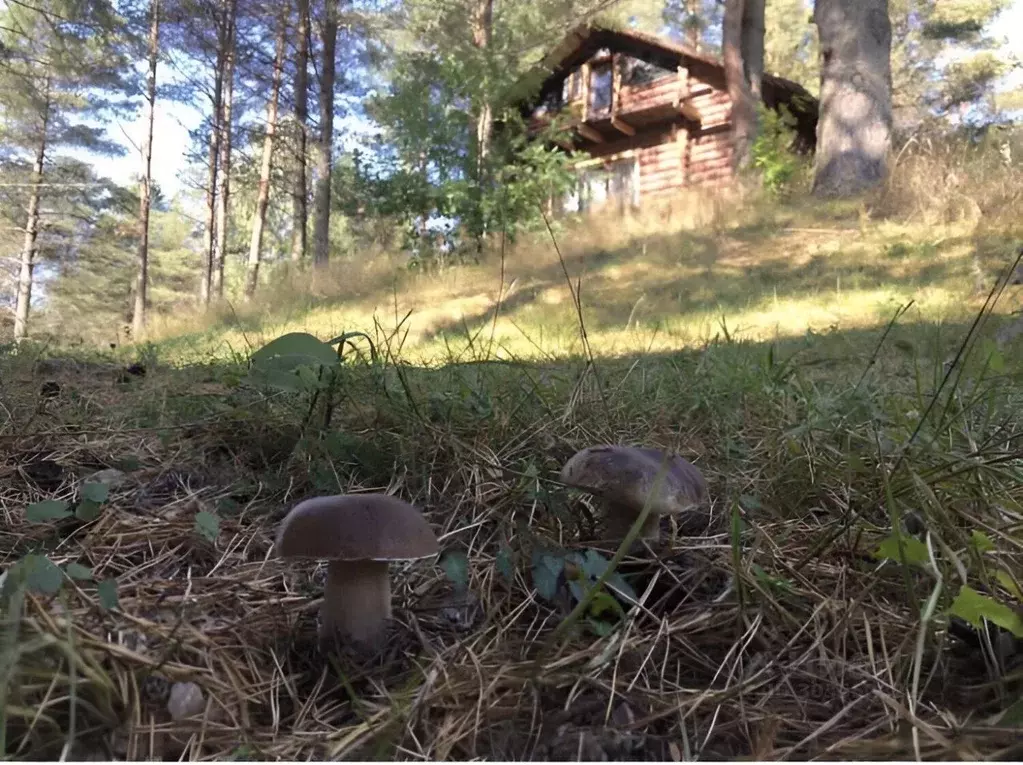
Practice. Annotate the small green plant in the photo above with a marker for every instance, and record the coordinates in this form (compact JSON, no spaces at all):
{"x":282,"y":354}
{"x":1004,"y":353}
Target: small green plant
{"x":90,"y":503}
{"x":772,"y":152}
{"x":581,"y":571}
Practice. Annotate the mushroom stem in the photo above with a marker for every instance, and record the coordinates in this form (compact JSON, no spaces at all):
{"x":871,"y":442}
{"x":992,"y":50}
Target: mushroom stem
{"x":356,"y":600}
{"x":619,"y":519}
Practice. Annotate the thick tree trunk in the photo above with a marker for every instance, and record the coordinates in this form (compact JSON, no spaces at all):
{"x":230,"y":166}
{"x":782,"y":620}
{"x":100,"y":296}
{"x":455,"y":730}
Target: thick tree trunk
{"x":744,"y":110}
{"x":138,"y":322}
{"x":28,"y":249}
{"x":753,"y":31}
{"x":325,"y":147}
{"x":854,"y":129}
{"x":300,"y":212}
{"x":210,"y":236}
{"x":263,"y":193}
{"x":224,"y":178}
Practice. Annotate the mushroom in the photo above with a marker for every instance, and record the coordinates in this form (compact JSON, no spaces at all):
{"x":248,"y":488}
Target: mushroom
{"x":624,"y":477}
{"x":358,"y":534}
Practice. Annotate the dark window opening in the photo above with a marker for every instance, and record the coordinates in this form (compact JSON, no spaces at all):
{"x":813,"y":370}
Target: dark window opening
{"x":601,"y":83}
{"x":638,"y":72}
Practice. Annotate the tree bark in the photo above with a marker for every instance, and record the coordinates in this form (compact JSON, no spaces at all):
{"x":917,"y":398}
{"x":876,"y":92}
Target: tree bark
{"x":224,"y":179}
{"x":753,"y":31}
{"x":482,"y":31}
{"x":300,"y":212}
{"x":855,"y":124}
{"x":325,"y":148}
{"x":210,"y":236}
{"x":28,"y":249}
{"x":263,"y":193}
{"x":744,"y":110}
{"x":138,"y":323}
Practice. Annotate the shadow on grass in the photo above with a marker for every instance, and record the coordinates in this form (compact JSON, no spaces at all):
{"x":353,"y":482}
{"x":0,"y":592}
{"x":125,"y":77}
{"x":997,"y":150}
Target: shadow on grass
{"x":798,"y":438}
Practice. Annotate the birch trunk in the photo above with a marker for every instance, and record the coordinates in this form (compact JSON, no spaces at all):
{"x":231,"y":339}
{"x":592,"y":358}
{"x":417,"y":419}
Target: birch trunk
{"x":325,"y":148}
{"x":28,"y":249}
{"x":300,"y":213}
{"x":263,"y":193}
{"x":138,"y":324}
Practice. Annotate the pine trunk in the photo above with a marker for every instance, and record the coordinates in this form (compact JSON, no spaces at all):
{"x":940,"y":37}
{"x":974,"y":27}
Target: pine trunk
{"x":482,"y":32}
{"x":744,"y":111}
{"x":224,"y":178}
{"x":138,"y":324}
{"x":753,"y":31}
{"x":28,"y":249}
{"x":263,"y":193}
{"x":300,"y":213}
{"x":210,"y":236}
{"x":854,"y":129}
{"x":325,"y":149}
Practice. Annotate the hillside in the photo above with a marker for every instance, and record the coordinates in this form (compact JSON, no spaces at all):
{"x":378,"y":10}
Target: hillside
{"x":864,"y":515}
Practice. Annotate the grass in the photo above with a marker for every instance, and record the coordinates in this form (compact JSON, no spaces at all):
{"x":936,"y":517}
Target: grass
{"x":829,"y":427}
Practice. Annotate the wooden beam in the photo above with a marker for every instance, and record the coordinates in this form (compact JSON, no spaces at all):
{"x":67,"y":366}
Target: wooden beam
{"x":587,"y":132}
{"x":682,"y":91}
{"x":690,"y":112}
{"x":622,"y":126}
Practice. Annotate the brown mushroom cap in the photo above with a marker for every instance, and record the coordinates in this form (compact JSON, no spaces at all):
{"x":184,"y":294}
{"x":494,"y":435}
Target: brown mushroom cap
{"x":628,"y":475}
{"x":357,"y":534}
{"x":355,"y":527}
{"x":625,"y":478}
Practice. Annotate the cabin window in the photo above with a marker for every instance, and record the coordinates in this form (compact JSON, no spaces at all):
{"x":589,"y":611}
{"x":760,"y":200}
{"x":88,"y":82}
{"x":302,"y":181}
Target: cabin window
{"x":601,"y":83}
{"x":571,"y":87}
{"x":614,"y":183}
{"x":638,"y":72}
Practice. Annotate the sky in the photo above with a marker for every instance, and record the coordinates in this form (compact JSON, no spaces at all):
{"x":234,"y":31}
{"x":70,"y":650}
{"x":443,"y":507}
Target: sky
{"x":173,"y":121}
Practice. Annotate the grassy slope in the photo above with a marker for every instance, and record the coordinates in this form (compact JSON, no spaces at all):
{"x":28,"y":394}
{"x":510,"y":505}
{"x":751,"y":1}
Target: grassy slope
{"x":818,"y":651}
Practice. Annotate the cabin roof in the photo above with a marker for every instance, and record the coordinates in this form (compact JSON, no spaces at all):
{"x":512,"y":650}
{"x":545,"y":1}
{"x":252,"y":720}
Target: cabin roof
{"x":587,"y":38}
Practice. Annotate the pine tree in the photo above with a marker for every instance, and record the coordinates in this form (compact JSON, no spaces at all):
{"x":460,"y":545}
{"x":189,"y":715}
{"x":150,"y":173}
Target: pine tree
{"x":65,"y":63}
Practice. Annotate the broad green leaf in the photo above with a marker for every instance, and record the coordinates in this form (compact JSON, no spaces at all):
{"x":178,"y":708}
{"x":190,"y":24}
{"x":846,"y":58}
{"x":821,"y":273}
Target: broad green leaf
{"x":503,"y":562}
{"x":455,"y":565}
{"x":88,"y":510}
{"x":594,"y":565}
{"x":42,"y":574}
{"x":207,"y":525}
{"x":1009,"y":584}
{"x":546,"y":570}
{"x":107,"y":590}
{"x":600,"y":627}
{"x":981,"y":542}
{"x":975,"y":607}
{"x":603,"y":602}
{"x":78,"y":571}
{"x":1013,"y":715}
{"x":47,"y":510}
{"x":915,"y":550}
{"x":749,"y":502}
{"x":96,"y":492}
{"x":289,"y":352}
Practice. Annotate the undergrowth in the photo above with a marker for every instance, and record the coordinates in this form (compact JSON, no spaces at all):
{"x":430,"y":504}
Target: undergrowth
{"x":855,"y":595}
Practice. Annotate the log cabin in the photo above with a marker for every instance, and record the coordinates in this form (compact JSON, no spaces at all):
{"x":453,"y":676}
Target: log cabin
{"x":647,"y":116}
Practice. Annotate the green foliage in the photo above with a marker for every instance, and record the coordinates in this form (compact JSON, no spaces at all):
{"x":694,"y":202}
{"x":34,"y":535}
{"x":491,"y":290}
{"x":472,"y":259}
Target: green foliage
{"x":903,"y":549}
{"x":295,"y":361}
{"x":772,"y":150}
{"x":207,"y":525}
{"x":455,"y":565}
{"x":47,"y":510}
{"x":974,"y":608}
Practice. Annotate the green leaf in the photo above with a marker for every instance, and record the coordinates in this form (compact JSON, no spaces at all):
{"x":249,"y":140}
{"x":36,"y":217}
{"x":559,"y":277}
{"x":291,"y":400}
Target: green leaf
{"x":1007,"y":582}
{"x":207,"y":525}
{"x":42,"y":575}
{"x":47,"y":510}
{"x":594,"y":565}
{"x":96,"y":492}
{"x":974,"y":608}
{"x":455,"y":565}
{"x":107,"y":590}
{"x":915,"y":550}
{"x":78,"y":571}
{"x":749,"y":502}
{"x":603,"y":602}
{"x":503,"y":562}
{"x":600,"y":627}
{"x":546,"y":570}
{"x":87,"y":510}
{"x":981,"y":542}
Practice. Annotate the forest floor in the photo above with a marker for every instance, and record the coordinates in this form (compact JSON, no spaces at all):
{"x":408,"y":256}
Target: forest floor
{"x":865,"y":497}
